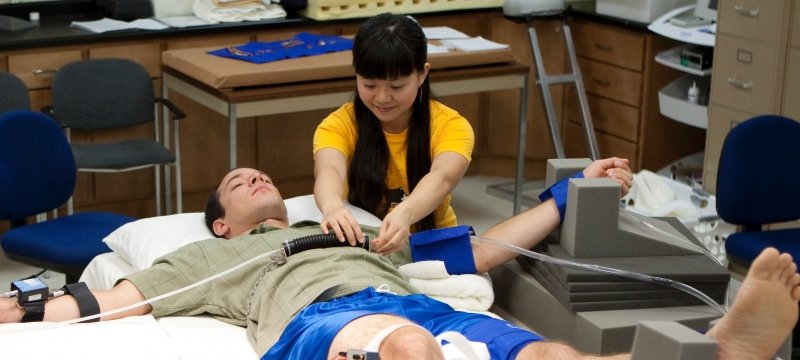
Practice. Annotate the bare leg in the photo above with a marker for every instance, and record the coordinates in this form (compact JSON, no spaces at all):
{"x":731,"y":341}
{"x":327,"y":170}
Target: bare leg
{"x":408,"y":342}
{"x":764,"y":311}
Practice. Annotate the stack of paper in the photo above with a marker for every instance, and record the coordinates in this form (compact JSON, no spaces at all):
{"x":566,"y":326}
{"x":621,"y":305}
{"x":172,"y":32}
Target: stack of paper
{"x":106,"y":24}
{"x":450,"y":39}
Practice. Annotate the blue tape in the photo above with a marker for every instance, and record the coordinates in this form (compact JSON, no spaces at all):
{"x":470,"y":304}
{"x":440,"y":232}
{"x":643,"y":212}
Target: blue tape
{"x":558,"y":192}
{"x":451,"y":245}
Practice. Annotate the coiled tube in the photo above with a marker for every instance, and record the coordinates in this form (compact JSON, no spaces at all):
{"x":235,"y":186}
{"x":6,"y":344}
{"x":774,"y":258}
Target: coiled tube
{"x":318,"y":241}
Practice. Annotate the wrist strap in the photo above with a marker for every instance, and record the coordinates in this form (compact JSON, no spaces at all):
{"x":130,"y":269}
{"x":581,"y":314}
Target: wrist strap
{"x":87,"y":303}
{"x":559,"y":194}
{"x":34,"y":311}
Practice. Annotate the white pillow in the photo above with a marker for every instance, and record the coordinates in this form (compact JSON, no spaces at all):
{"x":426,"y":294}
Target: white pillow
{"x":142,"y":241}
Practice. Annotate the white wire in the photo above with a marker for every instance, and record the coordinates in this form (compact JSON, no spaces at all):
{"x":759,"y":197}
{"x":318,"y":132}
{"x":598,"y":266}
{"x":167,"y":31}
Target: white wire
{"x":174,"y":292}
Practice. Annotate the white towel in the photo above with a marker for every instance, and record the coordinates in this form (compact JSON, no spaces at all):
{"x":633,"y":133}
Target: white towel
{"x":471,"y":292}
{"x":653,"y":196}
{"x":206,"y":10}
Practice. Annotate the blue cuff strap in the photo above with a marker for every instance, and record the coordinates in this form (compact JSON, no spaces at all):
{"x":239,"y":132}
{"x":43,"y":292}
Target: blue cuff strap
{"x":451,"y":245}
{"x":559,"y":193}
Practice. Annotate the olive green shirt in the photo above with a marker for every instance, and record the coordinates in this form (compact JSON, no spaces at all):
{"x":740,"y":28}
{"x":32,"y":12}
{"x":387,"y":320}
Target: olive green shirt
{"x":264,"y":301}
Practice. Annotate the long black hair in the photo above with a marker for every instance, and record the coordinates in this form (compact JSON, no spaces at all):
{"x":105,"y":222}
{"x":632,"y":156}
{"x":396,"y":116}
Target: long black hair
{"x":387,"y":47}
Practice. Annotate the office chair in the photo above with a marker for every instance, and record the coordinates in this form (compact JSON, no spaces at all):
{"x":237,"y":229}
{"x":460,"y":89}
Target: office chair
{"x":758,"y":183}
{"x":103,"y":94}
{"x":37,"y":175}
{"x":14,"y":95}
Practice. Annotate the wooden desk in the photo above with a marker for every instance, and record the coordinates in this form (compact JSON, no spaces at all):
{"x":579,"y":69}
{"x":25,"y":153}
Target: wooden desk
{"x":283,"y":98}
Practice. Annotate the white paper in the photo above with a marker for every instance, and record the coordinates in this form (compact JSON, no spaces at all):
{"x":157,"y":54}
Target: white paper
{"x":182,"y":21}
{"x":101,"y":26}
{"x":148,"y":24}
{"x":443,"y":32}
{"x":106,"y":24}
{"x":474,"y":44}
{"x":436,"y":49}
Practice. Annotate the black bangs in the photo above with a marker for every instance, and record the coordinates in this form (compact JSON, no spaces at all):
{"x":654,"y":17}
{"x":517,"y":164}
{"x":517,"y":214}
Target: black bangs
{"x":389,"y":46}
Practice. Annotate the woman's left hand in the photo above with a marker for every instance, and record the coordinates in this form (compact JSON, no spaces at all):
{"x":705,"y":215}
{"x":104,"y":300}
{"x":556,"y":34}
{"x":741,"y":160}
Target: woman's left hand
{"x":394,"y":232}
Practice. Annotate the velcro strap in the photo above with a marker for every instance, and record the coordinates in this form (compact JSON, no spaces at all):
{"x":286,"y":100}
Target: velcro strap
{"x":34,"y":311}
{"x":451,"y":245}
{"x":558,"y":192}
{"x":87,"y":303}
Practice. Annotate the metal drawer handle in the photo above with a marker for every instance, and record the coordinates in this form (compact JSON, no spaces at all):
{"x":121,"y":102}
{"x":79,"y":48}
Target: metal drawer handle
{"x":601,"y":82}
{"x":43,"y":71}
{"x":603,"y":47}
{"x":741,"y":10}
{"x":740,"y":85}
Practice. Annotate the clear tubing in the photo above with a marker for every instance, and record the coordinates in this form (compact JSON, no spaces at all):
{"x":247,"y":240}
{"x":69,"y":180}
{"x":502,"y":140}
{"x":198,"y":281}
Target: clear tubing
{"x":662,"y":232}
{"x":603,"y":270}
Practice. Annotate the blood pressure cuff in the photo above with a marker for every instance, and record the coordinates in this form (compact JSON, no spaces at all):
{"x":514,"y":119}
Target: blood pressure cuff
{"x":450,"y":245}
{"x":87,"y":303}
{"x":558,"y":192}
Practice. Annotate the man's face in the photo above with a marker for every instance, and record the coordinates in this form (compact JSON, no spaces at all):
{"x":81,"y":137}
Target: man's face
{"x":249,"y":197}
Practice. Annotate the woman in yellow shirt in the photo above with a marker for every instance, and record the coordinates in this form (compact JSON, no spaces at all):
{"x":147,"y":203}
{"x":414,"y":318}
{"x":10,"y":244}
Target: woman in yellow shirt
{"x":391,"y":151}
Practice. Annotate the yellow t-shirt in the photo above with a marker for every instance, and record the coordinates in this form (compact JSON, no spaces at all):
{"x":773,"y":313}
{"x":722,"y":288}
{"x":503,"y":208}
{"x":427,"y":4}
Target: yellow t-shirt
{"x":449,"y":132}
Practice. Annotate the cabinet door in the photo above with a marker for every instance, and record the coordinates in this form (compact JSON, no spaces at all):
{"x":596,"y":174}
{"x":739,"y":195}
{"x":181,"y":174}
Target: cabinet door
{"x":147,"y":55}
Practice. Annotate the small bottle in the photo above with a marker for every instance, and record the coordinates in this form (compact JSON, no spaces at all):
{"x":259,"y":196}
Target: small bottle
{"x":34,"y":17}
{"x":694,"y":94}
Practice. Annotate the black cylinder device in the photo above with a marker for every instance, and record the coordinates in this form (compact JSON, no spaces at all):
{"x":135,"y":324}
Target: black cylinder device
{"x":318,"y":241}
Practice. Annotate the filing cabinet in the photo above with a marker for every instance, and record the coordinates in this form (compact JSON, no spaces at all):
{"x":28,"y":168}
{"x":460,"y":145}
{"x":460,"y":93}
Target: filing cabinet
{"x":751,"y":74}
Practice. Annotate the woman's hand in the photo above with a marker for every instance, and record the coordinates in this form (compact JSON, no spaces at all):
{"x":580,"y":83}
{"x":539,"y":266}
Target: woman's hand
{"x":394,"y":232}
{"x":343,"y":224}
{"x":614,"y":168}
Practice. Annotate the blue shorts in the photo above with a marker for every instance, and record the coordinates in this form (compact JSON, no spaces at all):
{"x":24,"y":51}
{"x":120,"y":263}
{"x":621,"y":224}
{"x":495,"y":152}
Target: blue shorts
{"x":310,"y":334}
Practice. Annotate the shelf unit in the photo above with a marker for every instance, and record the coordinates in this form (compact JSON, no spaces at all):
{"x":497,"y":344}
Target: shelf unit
{"x":673,"y":99}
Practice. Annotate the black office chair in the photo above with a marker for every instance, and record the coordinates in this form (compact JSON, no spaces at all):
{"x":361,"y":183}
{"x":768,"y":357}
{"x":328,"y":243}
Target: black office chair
{"x":14,"y":94}
{"x":758,"y":183}
{"x":37,"y":175}
{"x":101,"y":94}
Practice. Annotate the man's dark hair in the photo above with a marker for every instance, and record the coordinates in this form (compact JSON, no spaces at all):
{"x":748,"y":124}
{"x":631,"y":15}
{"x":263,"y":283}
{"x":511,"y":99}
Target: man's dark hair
{"x":214,"y":210}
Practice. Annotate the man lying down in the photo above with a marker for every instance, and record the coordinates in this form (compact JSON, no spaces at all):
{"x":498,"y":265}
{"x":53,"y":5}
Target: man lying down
{"x":324,"y":302}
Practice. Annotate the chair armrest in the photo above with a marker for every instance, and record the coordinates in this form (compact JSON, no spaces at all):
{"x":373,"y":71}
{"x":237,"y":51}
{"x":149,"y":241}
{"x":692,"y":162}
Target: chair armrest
{"x":177,"y":114}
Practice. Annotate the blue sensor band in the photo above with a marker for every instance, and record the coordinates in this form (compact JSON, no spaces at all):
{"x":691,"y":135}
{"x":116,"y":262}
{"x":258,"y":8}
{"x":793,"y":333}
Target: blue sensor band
{"x":558,"y":192}
{"x":450,"y":245}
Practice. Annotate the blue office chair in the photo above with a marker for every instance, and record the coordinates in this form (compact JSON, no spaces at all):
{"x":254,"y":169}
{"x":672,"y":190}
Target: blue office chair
{"x":37,"y":175}
{"x":758,"y":183}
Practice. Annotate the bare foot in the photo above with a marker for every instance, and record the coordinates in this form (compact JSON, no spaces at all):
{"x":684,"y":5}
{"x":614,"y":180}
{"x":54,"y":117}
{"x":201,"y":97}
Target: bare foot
{"x":764,"y":311}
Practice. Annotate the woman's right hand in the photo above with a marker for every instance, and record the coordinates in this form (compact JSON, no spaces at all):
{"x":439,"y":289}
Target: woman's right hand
{"x":343,"y":224}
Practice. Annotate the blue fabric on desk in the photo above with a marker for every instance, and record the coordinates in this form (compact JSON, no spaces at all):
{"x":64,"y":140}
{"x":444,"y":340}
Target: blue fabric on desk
{"x":303,"y":44}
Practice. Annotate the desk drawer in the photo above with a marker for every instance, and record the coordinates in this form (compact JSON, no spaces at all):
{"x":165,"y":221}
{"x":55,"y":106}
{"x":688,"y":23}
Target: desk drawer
{"x":791,"y":105}
{"x":608,"y":44}
{"x":796,"y":27}
{"x":37,"y":69}
{"x":147,"y":55}
{"x":721,"y":121}
{"x":608,"y":116}
{"x":612,"y":82}
{"x":609,"y":145}
{"x":753,"y":19}
{"x":745,"y":76}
